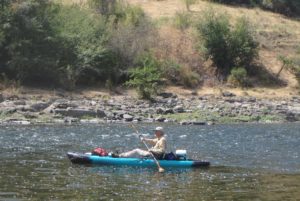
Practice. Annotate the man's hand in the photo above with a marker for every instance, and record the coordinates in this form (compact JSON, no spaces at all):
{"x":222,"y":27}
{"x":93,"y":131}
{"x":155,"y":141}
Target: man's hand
{"x":141,"y":137}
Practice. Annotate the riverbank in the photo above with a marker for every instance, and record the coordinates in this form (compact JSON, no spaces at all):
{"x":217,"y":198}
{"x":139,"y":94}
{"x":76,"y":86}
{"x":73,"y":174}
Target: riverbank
{"x":192,"y":109}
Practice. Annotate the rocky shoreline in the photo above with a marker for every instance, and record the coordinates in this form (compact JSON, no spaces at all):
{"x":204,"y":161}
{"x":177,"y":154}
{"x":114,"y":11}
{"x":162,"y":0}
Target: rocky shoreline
{"x":167,"y":107}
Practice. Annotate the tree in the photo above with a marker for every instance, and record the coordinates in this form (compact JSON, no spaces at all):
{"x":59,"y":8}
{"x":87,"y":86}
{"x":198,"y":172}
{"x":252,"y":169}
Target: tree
{"x":146,"y":77}
{"x":31,"y":49}
{"x":227,"y":47}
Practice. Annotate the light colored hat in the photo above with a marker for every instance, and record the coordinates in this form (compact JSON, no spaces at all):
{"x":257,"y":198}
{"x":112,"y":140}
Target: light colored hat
{"x":159,"y":129}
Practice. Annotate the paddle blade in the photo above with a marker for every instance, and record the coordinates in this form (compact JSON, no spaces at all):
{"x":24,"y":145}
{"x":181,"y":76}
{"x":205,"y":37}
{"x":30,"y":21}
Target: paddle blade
{"x":161,"y":170}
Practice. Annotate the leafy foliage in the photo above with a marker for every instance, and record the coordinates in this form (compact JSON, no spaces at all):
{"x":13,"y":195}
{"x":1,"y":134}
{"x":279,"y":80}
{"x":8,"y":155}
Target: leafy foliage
{"x":146,"y":77}
{"x":189,"y":78}
{"x":50,"y":44}
{"x":292,"y":65}
{"x":215,"y":32}
{"x":227,"y":47}
{"x":238,"y":77}
{"x":84,"y":36}
{"x":175,"y":73}
{"x":33,"y":53}
{"x":242,"y":43}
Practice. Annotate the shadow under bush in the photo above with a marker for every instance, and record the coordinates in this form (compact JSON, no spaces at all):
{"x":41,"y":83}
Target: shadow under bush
{"x":259,"y":76}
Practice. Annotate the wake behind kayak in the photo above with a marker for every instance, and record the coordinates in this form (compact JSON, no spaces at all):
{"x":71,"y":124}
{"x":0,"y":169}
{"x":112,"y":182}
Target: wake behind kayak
{"x":79,"y":158}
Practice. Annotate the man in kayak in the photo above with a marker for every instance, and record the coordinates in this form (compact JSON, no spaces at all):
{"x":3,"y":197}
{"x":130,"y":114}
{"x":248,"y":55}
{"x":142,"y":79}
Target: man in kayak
{"x":158,"y":149}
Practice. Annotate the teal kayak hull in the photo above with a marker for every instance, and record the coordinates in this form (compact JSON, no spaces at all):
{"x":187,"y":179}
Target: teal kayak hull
{"x":78,"y":158}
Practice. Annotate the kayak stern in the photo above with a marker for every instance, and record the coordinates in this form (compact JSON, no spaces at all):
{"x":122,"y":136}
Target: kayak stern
{"x":77,"y":158}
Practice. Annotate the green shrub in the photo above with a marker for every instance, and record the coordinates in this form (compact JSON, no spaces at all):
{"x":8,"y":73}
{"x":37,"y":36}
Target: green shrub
{"x":146,"y":77}
{"x":243,"y":47}
{"x":133,"y":15}
{"x":31,"y":50}
{"x":132,"y":34}
{"x":84,"y":36}
{"x":53,"y":44}
{"x":171,"y":71}
{"x":227,"y":47}
{"x":189,"y":78}
{"x":42,"y":42}
{"x":177,"y":74}
{"x":128,"y":43}
{"x":215,"y":32}
{"x":182,"y":20}
{"x":292,"y":65}
{"x":238,"y":77}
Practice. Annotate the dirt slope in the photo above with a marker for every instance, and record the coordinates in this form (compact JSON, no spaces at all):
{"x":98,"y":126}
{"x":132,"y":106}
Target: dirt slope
{"x":277,"y":34}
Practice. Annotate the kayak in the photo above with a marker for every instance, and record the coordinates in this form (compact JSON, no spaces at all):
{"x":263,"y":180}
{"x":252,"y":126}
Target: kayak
{"x":79,"y":158}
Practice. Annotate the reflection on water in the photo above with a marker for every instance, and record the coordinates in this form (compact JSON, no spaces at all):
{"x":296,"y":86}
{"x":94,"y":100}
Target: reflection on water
{"x":249,"y":162}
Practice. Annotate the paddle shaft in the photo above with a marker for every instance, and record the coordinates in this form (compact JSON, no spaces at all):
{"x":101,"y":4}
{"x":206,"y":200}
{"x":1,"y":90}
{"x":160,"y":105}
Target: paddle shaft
{"x":160,"y":169}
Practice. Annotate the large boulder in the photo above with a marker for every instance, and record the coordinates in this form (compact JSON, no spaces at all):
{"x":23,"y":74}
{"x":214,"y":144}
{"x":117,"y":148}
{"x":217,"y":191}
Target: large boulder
{"x":166,"y":95}
{"x":291,"y":117}
{"x":228,"y":94}
{"x":160,"y":119}
{"x":178,"y":109}
{"x":80,"y":112}
{"x":20,"y":102}
{"x":1,"y":98}
{"x":160,"y":110}
{"x":40,"y":106}
{"x":64,"y":104}
{"x":127,"y":117}
{"x":168,"y":111}
{"x":199,"y":123}
{"x":184,"y":123}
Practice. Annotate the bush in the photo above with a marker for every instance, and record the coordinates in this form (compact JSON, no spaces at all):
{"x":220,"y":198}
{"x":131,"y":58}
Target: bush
{"x":292,"y":65}
{"x":243,"y":47}
{"x":84,"y":36}
{"x":131,"y":34}
{"x":178,"y":74}
{"x":52,"y":44}
{"x":189,"y":78}
{"x":215,"y":32}
{"x":31,"y":50}
{"x":171,"y":71}
{"x":227,"y":47}
{"x":238,"y":77}
{"x":128,"y":42}
{"x":146,"y":77}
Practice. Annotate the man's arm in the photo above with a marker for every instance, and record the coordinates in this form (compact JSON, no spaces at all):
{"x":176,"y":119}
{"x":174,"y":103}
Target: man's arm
{"x":150,"y":141}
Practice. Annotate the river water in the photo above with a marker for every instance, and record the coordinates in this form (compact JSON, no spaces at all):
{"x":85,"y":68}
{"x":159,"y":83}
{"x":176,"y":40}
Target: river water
{"x":249,"y":162}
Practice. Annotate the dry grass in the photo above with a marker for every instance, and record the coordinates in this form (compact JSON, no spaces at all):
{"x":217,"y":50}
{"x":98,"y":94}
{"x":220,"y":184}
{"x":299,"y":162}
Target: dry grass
{"x":277,"y":34}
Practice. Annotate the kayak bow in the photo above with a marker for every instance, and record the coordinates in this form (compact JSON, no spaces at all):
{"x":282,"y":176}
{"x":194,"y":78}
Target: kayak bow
{"x":79,"y":158}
